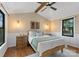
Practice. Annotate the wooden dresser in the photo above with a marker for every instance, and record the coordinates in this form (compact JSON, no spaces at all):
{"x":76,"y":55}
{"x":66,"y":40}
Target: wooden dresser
{"x":21,"y":41}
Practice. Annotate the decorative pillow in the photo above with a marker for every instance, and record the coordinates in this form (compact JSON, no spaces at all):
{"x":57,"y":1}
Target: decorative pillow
{"x":38,"y":33}
{"x":32,"y":33}
{"x":35,"y":33}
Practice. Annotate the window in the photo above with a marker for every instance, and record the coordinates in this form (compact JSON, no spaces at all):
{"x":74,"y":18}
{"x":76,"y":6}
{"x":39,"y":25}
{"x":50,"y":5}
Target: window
{"x":68,"y":27}
{"x":2,"y":28}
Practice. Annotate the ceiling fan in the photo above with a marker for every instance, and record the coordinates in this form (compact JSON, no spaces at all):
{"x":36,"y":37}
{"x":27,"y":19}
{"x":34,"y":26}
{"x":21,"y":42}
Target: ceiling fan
{"x":45,"y":4}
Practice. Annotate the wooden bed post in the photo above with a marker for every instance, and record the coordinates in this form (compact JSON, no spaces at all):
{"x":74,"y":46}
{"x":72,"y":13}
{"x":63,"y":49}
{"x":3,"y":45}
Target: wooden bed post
{"x":62,"y":48}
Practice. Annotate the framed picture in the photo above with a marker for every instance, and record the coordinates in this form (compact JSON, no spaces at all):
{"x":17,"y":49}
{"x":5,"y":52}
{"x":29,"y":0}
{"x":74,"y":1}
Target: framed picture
{"x":68,"y":27}
{"x":32,"y":25}
{"x":35,"y":25}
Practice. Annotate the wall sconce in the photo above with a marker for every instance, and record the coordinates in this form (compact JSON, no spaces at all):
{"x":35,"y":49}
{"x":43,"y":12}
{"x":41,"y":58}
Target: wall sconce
{"x":46,"y":27}
{"x":18,"y":21}
{"x":18,"y":24}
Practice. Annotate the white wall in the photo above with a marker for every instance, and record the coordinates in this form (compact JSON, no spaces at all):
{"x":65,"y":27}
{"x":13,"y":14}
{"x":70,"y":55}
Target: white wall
{"x":12,"y":39}
{"x":56,"y":27}
{"x":25,"y":19}
{"x":3,"y":48}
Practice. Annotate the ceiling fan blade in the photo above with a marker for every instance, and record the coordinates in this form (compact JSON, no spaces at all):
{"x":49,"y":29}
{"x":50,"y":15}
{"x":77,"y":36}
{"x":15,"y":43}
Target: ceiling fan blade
{"x":51,"y":3}
{"x":41,"y":6}
{"x":40,"y":2}
{"x":43,"y":9}
{"x":53,"y":8}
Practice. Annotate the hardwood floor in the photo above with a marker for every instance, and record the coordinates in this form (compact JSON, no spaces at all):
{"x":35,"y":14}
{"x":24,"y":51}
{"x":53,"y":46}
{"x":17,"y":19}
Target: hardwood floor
{"x":14,"y":52}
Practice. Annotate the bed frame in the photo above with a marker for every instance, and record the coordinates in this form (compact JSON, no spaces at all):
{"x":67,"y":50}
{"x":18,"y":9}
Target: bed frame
{"x":76,"y":49}
{"x":46,"y":48}
{"x":53,"y":50}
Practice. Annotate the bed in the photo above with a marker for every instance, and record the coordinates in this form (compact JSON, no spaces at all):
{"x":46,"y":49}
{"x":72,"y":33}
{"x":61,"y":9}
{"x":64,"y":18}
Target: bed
{"x":43,"y":43}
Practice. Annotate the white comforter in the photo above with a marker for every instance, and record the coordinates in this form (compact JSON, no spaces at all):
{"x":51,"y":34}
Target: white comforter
{"x":43,"y":46}
{"x":31,"y":38}
{"x":48,"y":44}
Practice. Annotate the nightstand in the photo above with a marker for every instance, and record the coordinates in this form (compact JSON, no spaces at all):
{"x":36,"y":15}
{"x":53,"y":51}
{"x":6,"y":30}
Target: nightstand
{"x":21,"y":41}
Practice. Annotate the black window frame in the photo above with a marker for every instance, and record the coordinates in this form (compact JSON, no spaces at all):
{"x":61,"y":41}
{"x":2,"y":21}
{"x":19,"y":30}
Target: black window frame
{"x":3,"y":27}
{"x":72,"y":27}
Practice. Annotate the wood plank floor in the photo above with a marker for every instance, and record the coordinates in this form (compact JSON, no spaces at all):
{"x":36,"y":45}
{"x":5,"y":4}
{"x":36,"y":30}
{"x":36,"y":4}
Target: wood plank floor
{"x":14,"y":52}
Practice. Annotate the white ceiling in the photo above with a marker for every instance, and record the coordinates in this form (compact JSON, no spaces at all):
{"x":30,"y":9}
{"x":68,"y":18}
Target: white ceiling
{"x":20,"y":7}
{"x":64,"y":9}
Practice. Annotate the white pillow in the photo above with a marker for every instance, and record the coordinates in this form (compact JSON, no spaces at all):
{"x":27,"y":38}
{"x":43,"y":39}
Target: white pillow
{"x":38,"y":33}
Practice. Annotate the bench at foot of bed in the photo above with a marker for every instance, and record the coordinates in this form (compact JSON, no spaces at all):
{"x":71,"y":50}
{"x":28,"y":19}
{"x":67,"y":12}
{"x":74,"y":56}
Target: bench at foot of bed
{"x":76,"y":49}
{"x":53,"y":50}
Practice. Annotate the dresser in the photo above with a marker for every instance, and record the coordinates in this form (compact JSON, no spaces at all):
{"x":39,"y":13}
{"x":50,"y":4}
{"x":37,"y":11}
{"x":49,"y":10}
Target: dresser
{"x":21,"y":41}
